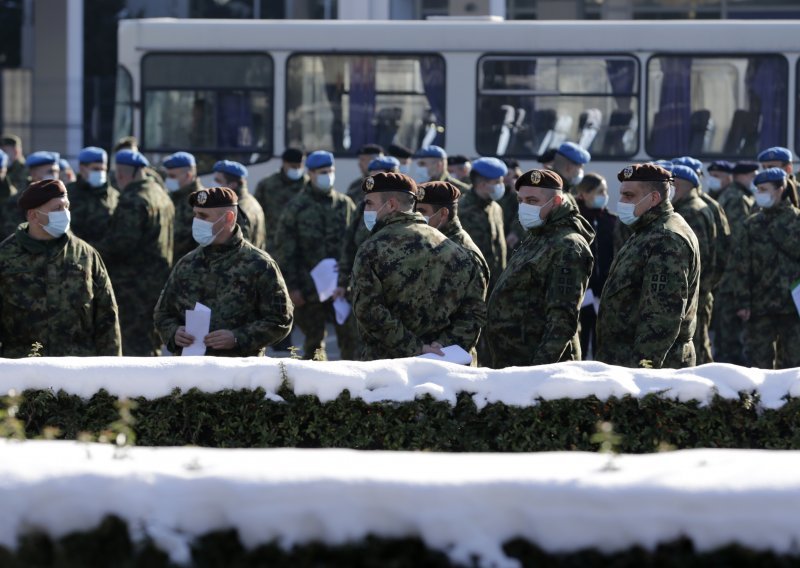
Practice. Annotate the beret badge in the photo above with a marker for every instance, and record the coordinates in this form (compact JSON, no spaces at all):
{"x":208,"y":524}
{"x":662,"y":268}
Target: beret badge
{"x":536,"y":177}
{"x":420,"y":193}
{"x":627,"y":172}
{"x":202,"y":197}
{"x":369,"y":183}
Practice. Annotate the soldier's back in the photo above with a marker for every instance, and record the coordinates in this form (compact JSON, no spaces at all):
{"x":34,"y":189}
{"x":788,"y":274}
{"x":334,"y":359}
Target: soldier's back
{"x":91,"y":209}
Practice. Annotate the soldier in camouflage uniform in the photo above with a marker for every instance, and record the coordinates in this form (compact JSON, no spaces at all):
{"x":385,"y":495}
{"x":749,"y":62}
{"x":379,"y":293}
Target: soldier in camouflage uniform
{"x":459,"y":167}
{"x":510,"y":206}
{"x":414,"y":290}
{"x":41,"y":166}
{"x":242,"y":285}
{"x":533,"y":309}
{"x":312,"y":229}
{"x":780,"y":157}
{"x":92,"y":199}
{"x":273,"y":193}
{"x":720,"y":176}
{"x":138,"y":251}
{"x":7,"y":189}
{"x":17,"y":170}
{"x":568,"y":162}
{"x":698,"y":215}
{"x":430,"y":164}
{"x":251,"y":216}
{"x":648,"y":309}
{"x":482,"y":217}
{"x":181,"y":182}
{"x":737,"y":200}
{"x":54,"y":288}
{"x":365,"y":155}
{"x":768,"y":268}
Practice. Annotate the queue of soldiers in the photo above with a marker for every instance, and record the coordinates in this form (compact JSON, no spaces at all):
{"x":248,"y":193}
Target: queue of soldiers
{"x":517,"y":268}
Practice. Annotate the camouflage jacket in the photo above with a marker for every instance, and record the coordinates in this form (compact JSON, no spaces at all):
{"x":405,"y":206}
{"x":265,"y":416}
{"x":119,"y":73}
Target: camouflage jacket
{"x":243,"y":287}
{"x":700,"y":218}
{"x":311,"y":228}
{"x":273,"y":194}
{"x":10,"y":215}
{"x":456,"y":233}
{"x":355,"y":234}
{"x":723,"y":240}
{"x":18,"y":174}
{"x":533,"y":309}
{"x":483,"y":220}
{"x":91,"y":209}
{"x":413,"y":286}
{"x":648,"y":309}
{"x":56,"y":293}
{"x":251,"y":219}
{"x":738,"y":203}
{"x":7,"y":189}
{"x":354,"y":190}
{"x":768,"y":261}
{"x":183,"y":242}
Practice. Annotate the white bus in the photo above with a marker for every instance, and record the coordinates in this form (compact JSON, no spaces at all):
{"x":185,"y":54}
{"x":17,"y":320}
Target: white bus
{"x":627,"y":91}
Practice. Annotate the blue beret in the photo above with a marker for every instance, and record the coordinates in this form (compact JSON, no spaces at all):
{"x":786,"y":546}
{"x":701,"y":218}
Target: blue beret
{"x":64,"y":165}
{"x":689,"y":162}
{"x":92,"y":154}
{"x":383,"y":163}
{"x":319,"y":159}
{"x":776,"y":175}
{"x":42,"y":158}
{"x":574,"y":153}
{"x":231,"y":168}
{"x":131,"y":158}
{"x":490,"y":168}
{"x":431,"y":152}
{"x":721,"y":166}
{"x":666,"y":164}
{"x":179,"y":160}
{"x":776,"y":153}
{"x":686,"y":173}
{"x":3,"y":160}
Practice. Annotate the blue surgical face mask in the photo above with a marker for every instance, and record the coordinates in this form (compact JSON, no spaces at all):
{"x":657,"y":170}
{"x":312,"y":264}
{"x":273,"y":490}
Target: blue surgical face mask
{"x":325,"y":181}
{"x":420,"y":174}
{"x":97,"y":178}
{"x":371,"y":218}
{"x":713,"y":183}
{"x":404,"y":168}
{"x":172,"y":184}
{"x":577,"y":178}
{"x":598,"y":201}
{"x":57,"y":222}
{"x":203,"y":231}
{"x":764,"y":199}
{"x":625,"y":211}
{"x":294,"y":174}
{"x":497,"y":191}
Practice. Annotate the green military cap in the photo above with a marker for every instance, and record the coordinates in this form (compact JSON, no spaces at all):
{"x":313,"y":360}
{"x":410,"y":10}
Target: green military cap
{"x":546,"y":179}
{"x":390,"y":182}
{"x":213,"y":197}
{"x":438,"y":193}
{"x":644,"y":172}
{"x":40,"y":192}
{"x":11,"y":140}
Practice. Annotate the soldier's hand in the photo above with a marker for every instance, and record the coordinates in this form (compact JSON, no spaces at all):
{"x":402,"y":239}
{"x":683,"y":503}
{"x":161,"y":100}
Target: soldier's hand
{"x":744,"y":315}
{"x":339,"y":293}
{"x":435,"y":347}
{"x":220,"y":339}
{"x":297,"y":297}
{"x":183,"y":339}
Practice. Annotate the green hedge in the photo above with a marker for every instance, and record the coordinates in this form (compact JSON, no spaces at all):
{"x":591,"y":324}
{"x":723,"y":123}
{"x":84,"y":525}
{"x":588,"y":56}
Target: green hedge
{"x":246,"y":419}
{"x":110,"y":546}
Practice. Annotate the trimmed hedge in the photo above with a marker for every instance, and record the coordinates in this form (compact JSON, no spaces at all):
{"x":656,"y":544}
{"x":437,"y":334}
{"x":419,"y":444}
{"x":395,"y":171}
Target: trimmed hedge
{"x":246,"y":419}
{"x":109,"y":545}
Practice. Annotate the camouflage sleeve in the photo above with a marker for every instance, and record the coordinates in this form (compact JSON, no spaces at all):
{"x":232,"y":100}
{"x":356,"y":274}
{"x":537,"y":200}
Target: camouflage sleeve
{"x":663,"y":301}
{"x":501,"y":236}
{"x":722,"y":245}
{"x":621,"y":234}
{"x":349,"y":248}
{"x":286,"y":249}
{"x":470,"y":316}
{"x":568,"y":278}
{"x":166,"y":318}
{"x":706,"y":234}
{"x":274,"y":312}
{"x":107,"y":338}
{"x":124,"y":231}
{"x":742,"y":269}
{"x":375,"y":322}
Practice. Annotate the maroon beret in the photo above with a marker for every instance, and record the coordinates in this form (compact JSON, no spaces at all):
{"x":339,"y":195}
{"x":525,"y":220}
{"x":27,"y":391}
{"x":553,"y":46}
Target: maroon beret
{"x":389,"y":182}
{"x":644,"y":172}
{"x":438,"y":192}
{"x":213,"y":197}
{"x":40,"y":192}
{"x":546,"y":179}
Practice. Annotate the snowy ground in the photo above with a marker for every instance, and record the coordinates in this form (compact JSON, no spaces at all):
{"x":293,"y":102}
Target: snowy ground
{"x":463,"y":504}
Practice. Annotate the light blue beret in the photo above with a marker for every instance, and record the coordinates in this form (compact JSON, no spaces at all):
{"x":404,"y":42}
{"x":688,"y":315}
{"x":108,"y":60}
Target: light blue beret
{"x":574,"y":153}
{"x":64,"y":164}
{"x":3,"y":160}
{"x":179,"y":160}
{"x":689,"y":162}
{"x":776,"y":153}
{"x":686,"y":173}
{"x":319,"y":159}
{"x":383,"y":163}
{"x":131,"y":158}
{"x":490,"y":168}
{"x":666,"y":164}
{"x":41,"y":159}
{"x":431,"y":152}
{"x":776,"y":175}
{"x":92,"y":154}
{"x":231,"y":168}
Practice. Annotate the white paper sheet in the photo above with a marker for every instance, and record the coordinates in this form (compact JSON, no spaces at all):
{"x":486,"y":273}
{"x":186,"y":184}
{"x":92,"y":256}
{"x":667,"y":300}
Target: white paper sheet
{"x":326,"y":276}
{"x":452,"y":354}
{"x":796,"y":295}
{"x":198,"y":323}
{"x":342,"y":309}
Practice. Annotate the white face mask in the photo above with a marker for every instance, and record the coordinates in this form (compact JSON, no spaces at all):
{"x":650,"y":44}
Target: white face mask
{"x":172,"y":184}
{"x":713,"y":184}
{"x":497,"y":191}
{"x":671,"y":193}
{"x":57,"y":222}
{"x":371,"y":218}
{"x":325,"y":181}
{"x":530,"y":216}
{"x":294,"y":174}
{"x":203,"y":231}
{"x":48,"y":176}
{"x":764,"y":200}
{"x":420,"y":174}
{"x":97,"y":178}
{"x":625,"y":211}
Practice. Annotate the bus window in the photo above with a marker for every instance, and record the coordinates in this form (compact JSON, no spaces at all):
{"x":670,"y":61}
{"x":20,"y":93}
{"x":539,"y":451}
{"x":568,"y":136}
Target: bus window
{"x":123,"y":110}
{"x":715,"y":106}
{"x":529,"y":104}
{"x":212,"y":105}
{"x":341,"y":102}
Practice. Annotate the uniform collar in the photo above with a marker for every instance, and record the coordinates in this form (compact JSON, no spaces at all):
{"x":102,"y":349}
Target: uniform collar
{"x":661,"y":210}
{"x":399,"y":218}
{"x":34,"y":246}
{"x":232,"y":244}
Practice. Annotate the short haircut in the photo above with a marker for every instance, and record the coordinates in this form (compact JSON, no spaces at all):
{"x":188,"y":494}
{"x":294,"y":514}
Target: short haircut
{"x":475,"y":177}
{"x":406,"y":200}
{"x":660,"y":187}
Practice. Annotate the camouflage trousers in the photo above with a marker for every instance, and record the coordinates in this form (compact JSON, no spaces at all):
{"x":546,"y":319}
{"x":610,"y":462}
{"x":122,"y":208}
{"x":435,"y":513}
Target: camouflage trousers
{"x":729,"y":331}
{"x":773,"y":341}
{"x":312,"y":317}
{"x":701,"y":340}
{"x":680,"y":356}
{"x":139,"y":338}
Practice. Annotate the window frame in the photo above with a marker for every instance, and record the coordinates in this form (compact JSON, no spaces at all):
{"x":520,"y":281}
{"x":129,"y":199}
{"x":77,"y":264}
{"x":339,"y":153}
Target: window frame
{"x":638,"y":94}
{"x":266,"y":155}
{"x":131,"y":104}
{"x":711,"y":55}
{"x":376,"y":55}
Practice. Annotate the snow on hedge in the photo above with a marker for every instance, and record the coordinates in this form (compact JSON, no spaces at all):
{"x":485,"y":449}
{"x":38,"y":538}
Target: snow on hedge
{"x":395,"y":379}
{"x":463,"y":504}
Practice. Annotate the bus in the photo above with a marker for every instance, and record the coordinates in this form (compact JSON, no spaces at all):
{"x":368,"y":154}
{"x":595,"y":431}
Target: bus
{"x":627,"y":91}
